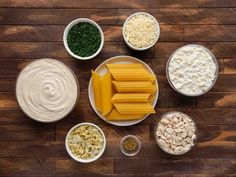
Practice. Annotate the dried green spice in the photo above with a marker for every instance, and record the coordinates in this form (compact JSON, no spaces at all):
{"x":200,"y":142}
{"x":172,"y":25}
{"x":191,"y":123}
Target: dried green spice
{"x":84,"y":39}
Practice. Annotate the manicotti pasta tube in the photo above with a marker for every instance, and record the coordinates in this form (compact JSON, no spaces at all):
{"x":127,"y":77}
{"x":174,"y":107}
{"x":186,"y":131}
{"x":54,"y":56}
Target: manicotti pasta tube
{"x":130,"y":97}
{"x":134,"y":87}
{"x":96,"y":80}
{"x":114,"y":115}
{"x":106,"y":94}
{"x":134,"y":108}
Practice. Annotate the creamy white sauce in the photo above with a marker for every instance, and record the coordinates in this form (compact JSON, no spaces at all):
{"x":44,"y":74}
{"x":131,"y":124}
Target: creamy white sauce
{"x":46,"y":90}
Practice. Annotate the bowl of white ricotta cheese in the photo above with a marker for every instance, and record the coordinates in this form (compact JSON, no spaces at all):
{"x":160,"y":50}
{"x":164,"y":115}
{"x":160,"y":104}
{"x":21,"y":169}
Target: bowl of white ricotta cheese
{"x":192,"y":70}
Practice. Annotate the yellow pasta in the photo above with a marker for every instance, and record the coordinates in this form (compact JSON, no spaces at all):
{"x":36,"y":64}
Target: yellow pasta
{"x":128,"y":65}
{"x":134,"y":108}
{"x":106,"y":94}
{"x":132,"y":75}
{"x":130,"y":97}
{"x":96,"y":79}
{"x":116,"y":116}
{"x":133,"y":87}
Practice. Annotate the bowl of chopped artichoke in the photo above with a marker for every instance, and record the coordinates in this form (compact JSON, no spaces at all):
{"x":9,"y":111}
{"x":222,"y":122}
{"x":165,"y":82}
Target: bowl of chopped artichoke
{"x":85,"y":142}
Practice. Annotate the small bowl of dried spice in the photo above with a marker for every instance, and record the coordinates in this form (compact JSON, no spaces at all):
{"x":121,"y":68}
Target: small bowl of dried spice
{"x":130,"y":145}
{"x":83,"y":39}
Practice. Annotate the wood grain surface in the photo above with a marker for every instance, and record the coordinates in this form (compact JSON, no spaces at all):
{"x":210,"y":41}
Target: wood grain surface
{"x":33,"y":29}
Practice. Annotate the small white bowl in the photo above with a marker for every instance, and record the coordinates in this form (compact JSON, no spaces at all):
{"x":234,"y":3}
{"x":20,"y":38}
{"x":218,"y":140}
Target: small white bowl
{"x":85,"y":160}
{"x":70,"y":25}
{"x":154,"y":42}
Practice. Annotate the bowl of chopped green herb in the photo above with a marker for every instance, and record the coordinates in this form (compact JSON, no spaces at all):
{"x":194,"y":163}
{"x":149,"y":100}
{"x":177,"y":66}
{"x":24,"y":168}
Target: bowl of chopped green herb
{"x":83,"y":38}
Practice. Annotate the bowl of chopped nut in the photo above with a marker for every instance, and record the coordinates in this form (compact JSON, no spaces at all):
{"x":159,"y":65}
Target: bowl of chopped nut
{"x":175,"y":133}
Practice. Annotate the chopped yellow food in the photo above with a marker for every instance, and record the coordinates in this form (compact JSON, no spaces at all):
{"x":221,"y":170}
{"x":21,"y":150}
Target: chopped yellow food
{"x":134,"y":87}
{"x":130,"y":97}
{"x":116,"y":116}
{"x":134,"y":108}
{"x":96,"y":79}
{"x":106,"y":94}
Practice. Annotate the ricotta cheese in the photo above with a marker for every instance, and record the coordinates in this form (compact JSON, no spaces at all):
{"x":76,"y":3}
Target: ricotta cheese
{"x":46,"y":90}
{"x":192,"y":70}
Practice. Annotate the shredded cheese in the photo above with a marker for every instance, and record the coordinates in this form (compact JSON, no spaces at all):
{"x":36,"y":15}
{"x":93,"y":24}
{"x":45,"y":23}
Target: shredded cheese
{"x":141,"y":31}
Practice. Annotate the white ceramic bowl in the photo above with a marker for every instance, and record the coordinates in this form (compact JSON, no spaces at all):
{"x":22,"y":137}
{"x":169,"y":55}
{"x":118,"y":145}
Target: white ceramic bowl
{"x":37,"y":118}
{"x":85,"y":160}
{"x":70,"y":25}
{"x":154,"y":42}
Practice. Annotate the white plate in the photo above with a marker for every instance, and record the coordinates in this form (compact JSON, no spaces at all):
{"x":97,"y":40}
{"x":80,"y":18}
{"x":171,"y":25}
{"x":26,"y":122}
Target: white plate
{"x":102,"y":69}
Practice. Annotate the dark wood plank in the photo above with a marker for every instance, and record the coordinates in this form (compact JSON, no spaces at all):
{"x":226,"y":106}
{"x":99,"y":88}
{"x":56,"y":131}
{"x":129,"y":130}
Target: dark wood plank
{"x":225,"y":83}
{"x":219,"y":49}
{"x":186,"y":16}
{"x":33,"y":132}
{"x":110,"y":16}
{"x":117,"y":3}
{"x":52,"y":166}
{"x":56,"y":16}
{"x":221,"y":100}
{"x":195,"y":165}
{"x":209,"y":33}
{"x":229,"y":66}
{"x":204,"y":175}
{"x":202,"y":116}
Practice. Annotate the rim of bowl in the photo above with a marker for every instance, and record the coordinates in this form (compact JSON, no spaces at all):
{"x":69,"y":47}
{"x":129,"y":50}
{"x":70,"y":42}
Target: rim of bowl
{"x":154,"y":42}
{"x":67,"y":29}
{"x":130,"y":154}
{"x":157,"y":123}
{"x":49,"y":121}
{"x":85,"y":160}
{"x":213,"y":82}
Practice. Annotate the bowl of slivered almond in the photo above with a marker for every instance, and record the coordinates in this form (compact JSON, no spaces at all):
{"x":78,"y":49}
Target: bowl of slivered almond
{"x":123,"y":91}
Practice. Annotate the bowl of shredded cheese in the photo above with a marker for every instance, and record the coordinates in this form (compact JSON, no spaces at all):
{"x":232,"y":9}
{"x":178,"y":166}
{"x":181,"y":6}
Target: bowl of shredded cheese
{"x":85,"y":142}
{"x":141,"y":31}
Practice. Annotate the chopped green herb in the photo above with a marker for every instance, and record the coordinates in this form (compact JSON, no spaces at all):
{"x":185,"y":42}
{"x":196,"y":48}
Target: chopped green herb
{"x":84,"y":39}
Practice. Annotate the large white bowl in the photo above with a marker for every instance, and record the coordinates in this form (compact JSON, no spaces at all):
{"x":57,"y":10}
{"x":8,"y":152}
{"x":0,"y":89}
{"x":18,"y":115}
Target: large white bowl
{"x":102,"y":69}
{"x":154,"y":42}
{"x":70,"y":25}
{"x":85,"y":160}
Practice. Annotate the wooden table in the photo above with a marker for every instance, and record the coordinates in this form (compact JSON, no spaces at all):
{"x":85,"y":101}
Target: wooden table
{"x":33,"y":29}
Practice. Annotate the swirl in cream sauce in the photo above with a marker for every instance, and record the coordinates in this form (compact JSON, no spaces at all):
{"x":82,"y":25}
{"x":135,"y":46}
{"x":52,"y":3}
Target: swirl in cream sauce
{"x":46,"y":90}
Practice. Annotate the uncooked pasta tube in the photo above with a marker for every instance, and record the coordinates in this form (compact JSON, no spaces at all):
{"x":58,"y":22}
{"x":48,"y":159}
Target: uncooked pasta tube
{"x":106,"y":94}
{"x":116,"y":116}
{"x":96,"y":79}
{"x":134,"y":108}
{"x":130,"y":97}
{"x":134,"y":87}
